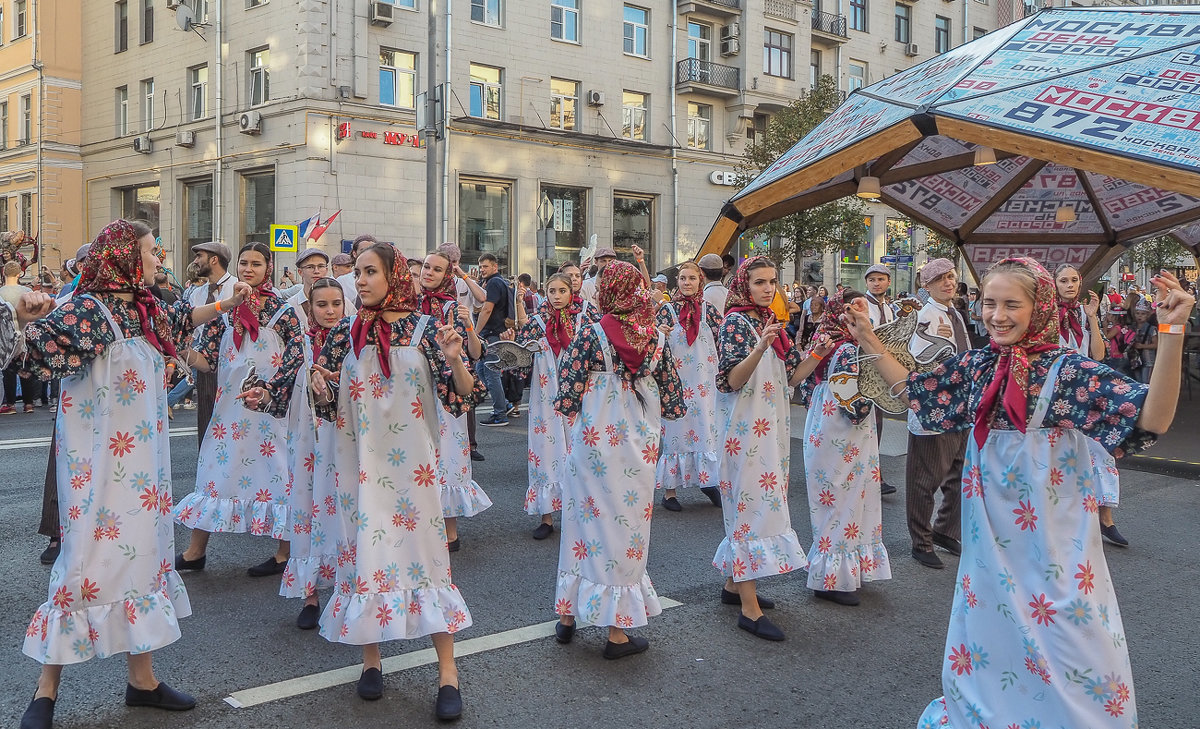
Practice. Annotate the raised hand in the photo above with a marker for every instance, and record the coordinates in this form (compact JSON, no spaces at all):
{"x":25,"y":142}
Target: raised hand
{"x":254,"y":398}
{"x":464,"y":315}
{"x":769,"y":334}
{"x":822,"y":346}
{"x":1092,"y":305}
{"x":857,"y":319}
{"x":318,"y":382}
{"x":1173,"y":304}
{"x":241,"y":290}
{"x":450,"y":342}
{"x":34,"y":305}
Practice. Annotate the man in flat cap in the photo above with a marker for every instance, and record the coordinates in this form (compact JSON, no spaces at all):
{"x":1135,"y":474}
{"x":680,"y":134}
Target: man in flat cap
{"x":715,"y":292}
{"x":211,"y":260}
{"x":878,"y":279}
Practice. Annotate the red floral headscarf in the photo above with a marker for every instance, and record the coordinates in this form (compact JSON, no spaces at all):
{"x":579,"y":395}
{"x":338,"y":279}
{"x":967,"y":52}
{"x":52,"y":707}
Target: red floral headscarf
{"x":740,"y":300}
{"x":1009,"y":387}
{"x":245,"y":316}
{"x":114,"y":265}
{"x":400,"y":297}
{"x":628,"y":312}
{"x":432,"y":301}
{"x":690,"y":309}
{"x":560,"y":323}
{"x":834,"y":328}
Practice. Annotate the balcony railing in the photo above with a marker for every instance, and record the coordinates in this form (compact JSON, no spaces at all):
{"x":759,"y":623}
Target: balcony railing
{"x":785,"y":9}
{"x":694,"y":70}
{"x":829,"y":23}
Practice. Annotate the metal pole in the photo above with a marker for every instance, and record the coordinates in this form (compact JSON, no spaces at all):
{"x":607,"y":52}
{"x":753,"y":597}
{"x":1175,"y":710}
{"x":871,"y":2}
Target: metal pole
{"x":432,"y":181}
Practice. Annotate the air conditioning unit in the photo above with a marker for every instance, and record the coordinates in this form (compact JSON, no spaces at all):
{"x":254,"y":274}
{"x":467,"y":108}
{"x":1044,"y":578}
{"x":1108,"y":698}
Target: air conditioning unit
{"x":733,"y":30}
{"x":912,"y":50}
{"x":173,"y":4}
{"x":250,"y":122}
{"x":595,"y":98}
{"x":185,"y":139}
{"x":142,"y":144}
{"x":730,"y":46}
{"x":382,"y":13}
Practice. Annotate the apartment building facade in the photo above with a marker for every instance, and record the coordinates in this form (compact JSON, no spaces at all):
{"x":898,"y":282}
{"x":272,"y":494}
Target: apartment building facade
{"x":622,"y":120}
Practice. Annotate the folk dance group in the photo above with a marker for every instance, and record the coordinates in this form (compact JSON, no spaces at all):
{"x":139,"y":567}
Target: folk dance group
{"x":625,"y":398}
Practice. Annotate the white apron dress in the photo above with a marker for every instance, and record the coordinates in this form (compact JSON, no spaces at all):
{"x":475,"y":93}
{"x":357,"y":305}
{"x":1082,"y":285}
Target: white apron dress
{"x":692,"y":445}
{"x":113,"y":588}
{"x":756,"y":421}
{"x":393,"y":576}
{"x":1035,"y":636}
{"x":242,"y":470}
{"x":461,"y":496}
{"x":1109,"y":493}
{"x":548,"y":444}
{"x":841,"y":463}
{"x":608,"y":499}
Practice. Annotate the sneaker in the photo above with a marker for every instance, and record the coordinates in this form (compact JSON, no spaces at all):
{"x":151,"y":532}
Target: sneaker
{"x":188,"y":405}
{"x":7,"y":410}
{"x":29,"y":408}
{"x":514,"y":411}
{"x":495,"y":421}
{"x":476,"y":455}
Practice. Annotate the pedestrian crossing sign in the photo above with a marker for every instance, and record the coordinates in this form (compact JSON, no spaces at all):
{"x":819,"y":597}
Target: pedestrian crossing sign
{"x":285,"y":237}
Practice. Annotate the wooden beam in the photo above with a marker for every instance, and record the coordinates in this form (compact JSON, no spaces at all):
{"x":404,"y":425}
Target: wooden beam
{"x":1036,"y":239}
{"x":1101,"y":259}
{"x":801,"y":202}
{"x":933,"y":167}
{"x":1069,"y":155}
{"x":1160,"y":225}
{"x":886,"y":162}
{"x":999,"y":197}
{"x":722,"y":235}
{"x":1109,"y":233}
{"x":967,"y":260}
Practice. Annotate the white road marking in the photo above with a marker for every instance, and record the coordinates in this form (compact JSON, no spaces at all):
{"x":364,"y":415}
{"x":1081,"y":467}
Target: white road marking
{"x":13,"y":444}
{"x":338,"y":676}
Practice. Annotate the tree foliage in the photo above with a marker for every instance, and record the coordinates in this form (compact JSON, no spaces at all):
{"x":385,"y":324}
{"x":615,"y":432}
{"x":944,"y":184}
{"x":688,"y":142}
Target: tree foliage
{"x":1157,"y":253}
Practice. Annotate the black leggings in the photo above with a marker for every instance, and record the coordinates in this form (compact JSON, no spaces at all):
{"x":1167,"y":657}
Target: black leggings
{"x":29,"y":387}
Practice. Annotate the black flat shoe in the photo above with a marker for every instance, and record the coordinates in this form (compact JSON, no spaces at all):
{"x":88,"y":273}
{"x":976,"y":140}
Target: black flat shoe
{"x":453,"y":546}
{"x":449,"y":703}
{"x":50,"y":554}
{"x":634,"y":645}
{"x":713,"y":494}
{"x":370,"y":685}
{"x":839,"y":597}
{"x":476,"y":455}
{"x":267,"y":568}
{"x":886,"y":488}
{"x":310,"y":616}
{"x":563,"y":633}
{"x":195,"y":565}
{"x":950,"y":544}
{"x":1111,"y":534}
{"x":733,"y":598}
{"x":543,"y":530}
{"x":39,"y":715}
{"x":162,"y":697}
{"x":929,"y":559}
{"x":761,"y":628}
{"x":672,"y":504}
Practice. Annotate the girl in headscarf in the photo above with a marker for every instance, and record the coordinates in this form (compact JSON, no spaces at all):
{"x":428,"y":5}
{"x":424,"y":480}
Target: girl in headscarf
{"x":1079,"y":330}
{"x":437,"y":298}
{"x":575,"y":274}
{"x":112,"y":588}
{"x":757,"y":368}
{"x":841,"y":460}
{"x":242,"y":470}
{"x":553,"y":327}
{"x":691,"y":445}
{"x":616,"y":383}
{"x":379,"y":378}
{"x":1035,"y":613}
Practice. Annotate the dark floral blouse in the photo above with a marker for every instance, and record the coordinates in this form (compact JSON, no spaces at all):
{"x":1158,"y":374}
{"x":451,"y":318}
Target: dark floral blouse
{"x":338,"y":345}
{"x":65,"y":341}
{"x":584,"y":357}
{"x":735,"y":343}
{"x":667,"y":314}
{"x":842,"y":359}
{"x":441,"y":317}
{"x":1089,"y":396}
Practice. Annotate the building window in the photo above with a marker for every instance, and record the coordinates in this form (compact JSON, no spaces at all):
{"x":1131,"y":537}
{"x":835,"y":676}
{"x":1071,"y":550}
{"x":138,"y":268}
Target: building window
{"x":122,"y":104}
{"x":941,"y":34}
{"x":21,"y":19}
{"x":198,"y":78}
{"x":756,"y":131}
{"x":141,"y":203}
{"x":485,"y":11}
{"x":147,"y":21}
{"x":27,"y":211}
{"x":485,"y":220}
{"x":633,"y":225}
{"x":903,"y":23}
{"x":255,"y":3}
{"x":814,"y":68}
{"x":570,"y":217}
{"x":777,"y":54}
{"x":858,"y":76}
{"x":200,"y":8}
{"x":699,"y":126}
{"x":636,"y":29}
{"x":3,"y":131}
{"x":409,"y":4}
{"x":26,"y":118}
{"x":397,"y":78}
{"x":564,"y":20}
{"x":699,"y":41}
{"x":2,"y":34}
{"x":121,"y":41}
{"x":977,"y":33}
{"x":858,"y":15}
{"x":485,"y":91}
{"x":258,"y":206}
{"x":633,"y":115}
{"x":564,"y":98}
{"x":260,"y":76}
{"x":197,"y":212}
{"x":148,"y":105}
{"x":3,"y":213}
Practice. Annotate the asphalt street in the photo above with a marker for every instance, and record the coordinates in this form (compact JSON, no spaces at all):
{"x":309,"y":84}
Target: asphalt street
{"x":876,"y":665}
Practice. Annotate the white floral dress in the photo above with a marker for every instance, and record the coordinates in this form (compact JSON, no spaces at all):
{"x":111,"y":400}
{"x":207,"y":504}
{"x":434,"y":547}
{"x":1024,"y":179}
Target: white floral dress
{"x":692,"y":445}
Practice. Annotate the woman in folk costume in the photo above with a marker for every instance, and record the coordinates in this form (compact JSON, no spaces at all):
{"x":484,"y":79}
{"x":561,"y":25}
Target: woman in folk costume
{"x":380,"y":376}
{"x":1079,"y":330}
{"x":841,"y":460}
{"x":242,"y":470}
{"x":1035,"y":635}
{"x":575,"y":274}
{"x":112,"y":588}
{"x":461,"y":496}
{"x":553,"y":327}
{"x":691,"y":445}
{"x":617,"y":382}
{"x":756,"y":369}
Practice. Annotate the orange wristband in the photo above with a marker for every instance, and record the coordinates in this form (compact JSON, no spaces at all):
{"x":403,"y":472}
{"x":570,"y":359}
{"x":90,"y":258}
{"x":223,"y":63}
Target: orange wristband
{"x":218,"y":304}
{"x":815,"y":356}
{"x":1170,"y":329}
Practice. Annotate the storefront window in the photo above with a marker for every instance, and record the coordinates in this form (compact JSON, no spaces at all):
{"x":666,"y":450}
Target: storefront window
{"x":855,"y":260}
{"x":141,"y":203}
{"x":258,"y":206}
{"x":485,"y":221}
{"x":197,"y":213}
{"x":633,"y":225}
{"x":569,"y":220}
{"x":900,"y":243}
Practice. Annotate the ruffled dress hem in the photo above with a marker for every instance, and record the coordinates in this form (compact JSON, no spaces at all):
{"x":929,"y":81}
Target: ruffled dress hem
{"x":543,"y":498}
{"x":463,"y":501}
{"x":303,"y":574}
{"x":756,"y":558}
{"x":847,"y":569}
{"x":682,"y":470}
{"x":376,"y":617}
{"x":618,"y":606}
{"x":260,"y":518}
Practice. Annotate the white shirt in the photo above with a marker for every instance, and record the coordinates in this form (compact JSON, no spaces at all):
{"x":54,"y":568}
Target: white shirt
{"x":296,"y":301}
{"x":715,"y":293}
{"x":587,"y":291}
{"x":933,"y":314}
{"x":347,"y":282}
{"x":199,"y":296}
{"x":1066,"y":337}
{"x":881,"y":311}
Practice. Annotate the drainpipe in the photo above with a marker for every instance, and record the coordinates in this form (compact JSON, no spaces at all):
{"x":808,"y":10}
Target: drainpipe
{"x":41,"y":116}
{"x":674,"y":129}
{"x":966,"y":22}
{"x":446,"y":136}
{"x":219,"y":101}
